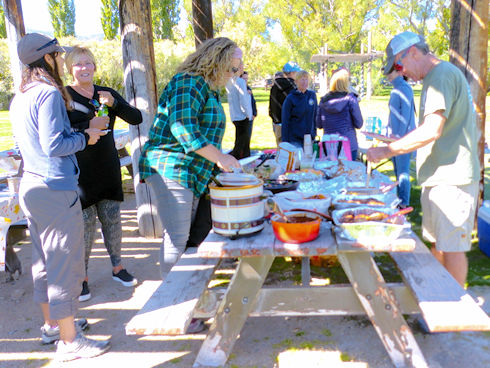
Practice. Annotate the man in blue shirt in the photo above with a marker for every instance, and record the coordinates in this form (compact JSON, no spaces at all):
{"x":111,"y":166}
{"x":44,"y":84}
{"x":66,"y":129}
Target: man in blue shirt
{"x":400,"y":122}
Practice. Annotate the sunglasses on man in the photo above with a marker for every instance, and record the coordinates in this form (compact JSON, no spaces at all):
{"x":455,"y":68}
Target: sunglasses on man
{"x":398,"y":64}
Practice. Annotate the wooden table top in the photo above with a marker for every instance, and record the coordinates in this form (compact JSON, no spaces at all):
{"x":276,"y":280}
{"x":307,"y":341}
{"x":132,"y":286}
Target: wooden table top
{"x":266,"y":244}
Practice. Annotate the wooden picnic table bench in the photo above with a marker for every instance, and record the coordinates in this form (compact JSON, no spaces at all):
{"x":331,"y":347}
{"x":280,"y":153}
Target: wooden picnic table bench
{"x":427,"y":289}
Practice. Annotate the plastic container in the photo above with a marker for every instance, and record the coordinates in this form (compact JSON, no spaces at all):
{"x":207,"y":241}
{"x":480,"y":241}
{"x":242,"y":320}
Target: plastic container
{"x":484,"y":228}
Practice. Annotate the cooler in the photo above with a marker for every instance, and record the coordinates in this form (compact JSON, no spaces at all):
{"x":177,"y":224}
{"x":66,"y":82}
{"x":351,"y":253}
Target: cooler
{"x":484,"y":227}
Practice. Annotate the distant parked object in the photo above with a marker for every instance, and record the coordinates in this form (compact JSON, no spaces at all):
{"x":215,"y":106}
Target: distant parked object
{"x":268,"y":83}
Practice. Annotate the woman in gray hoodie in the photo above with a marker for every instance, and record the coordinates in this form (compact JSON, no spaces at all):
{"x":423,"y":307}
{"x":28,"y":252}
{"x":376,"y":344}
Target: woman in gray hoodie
{"x":48,"y":194}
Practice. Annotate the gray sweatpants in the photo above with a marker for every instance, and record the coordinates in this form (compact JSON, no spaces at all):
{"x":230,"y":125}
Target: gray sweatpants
{"x":176,"y":206}
{"x":56,"y":228}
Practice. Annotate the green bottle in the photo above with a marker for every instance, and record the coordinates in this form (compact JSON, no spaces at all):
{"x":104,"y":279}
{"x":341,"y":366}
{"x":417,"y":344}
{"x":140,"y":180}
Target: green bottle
{"x":103,"y":110}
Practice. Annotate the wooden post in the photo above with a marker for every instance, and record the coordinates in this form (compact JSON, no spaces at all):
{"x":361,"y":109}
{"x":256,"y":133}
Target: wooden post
{"x":14,"y":22}
{"x":369,"y":83}
{"x":141,"y":92}
{"x":363,"y":87}
{"x":468,"y":51}
{"x":202,"y":20}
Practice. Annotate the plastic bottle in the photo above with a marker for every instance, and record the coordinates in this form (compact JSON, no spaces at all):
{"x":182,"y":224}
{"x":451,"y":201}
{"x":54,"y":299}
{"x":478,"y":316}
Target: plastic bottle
{"x":103,"y":110}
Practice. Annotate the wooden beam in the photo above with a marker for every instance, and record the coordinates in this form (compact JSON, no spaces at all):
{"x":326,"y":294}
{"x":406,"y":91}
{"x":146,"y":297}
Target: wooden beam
{"x":346,"y":58}
{"x":141,"y":92}
{"x":14,"y":23}
{"x":202,"y":20}
{"x":468,"y":50}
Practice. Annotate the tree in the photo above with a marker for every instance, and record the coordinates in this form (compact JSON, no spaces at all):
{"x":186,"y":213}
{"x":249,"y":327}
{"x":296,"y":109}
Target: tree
{"x":164,"y":16}
{"x":308,"y":25}
{"x":429,"y":18}
{"x":109,"y":18}
{"x":62,"y":13}
{"x":3,"y":29}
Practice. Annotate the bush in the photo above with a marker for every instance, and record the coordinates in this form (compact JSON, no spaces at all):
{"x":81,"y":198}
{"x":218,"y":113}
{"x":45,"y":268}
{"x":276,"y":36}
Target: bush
{"x":6,"y":80}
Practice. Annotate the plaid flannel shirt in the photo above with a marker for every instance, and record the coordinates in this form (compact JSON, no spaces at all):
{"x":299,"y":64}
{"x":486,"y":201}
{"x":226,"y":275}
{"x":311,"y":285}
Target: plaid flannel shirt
{"x":189,"y":117}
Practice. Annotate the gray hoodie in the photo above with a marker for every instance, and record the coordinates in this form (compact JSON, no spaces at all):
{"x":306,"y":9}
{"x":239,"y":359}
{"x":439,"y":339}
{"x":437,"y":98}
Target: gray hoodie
{"x":45,"y":138}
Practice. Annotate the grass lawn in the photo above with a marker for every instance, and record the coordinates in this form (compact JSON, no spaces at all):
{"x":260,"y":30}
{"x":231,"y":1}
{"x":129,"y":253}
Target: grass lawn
{"x":263,"y":138}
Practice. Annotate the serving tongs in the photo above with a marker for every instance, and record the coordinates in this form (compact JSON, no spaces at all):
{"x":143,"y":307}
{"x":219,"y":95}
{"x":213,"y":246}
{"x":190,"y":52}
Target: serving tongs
{"x":401,"y":212}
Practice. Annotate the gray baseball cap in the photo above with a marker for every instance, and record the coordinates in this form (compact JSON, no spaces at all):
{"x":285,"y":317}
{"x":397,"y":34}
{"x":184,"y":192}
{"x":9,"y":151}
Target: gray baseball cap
{"x":399,"y":43}
{"x":33,"y":46}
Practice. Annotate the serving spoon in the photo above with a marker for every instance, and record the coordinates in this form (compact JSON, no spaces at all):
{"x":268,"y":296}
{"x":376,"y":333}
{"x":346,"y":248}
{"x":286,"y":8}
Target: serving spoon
{"x":272,"y":206}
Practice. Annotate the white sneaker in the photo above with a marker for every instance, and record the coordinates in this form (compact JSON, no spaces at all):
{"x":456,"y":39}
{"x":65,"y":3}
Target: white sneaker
{"x":81,"y":347}
{"x":51,"y":334}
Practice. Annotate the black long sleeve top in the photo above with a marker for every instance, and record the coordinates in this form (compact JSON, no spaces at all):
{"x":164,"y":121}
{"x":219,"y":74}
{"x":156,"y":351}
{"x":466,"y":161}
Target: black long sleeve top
{"x":100,"y":171}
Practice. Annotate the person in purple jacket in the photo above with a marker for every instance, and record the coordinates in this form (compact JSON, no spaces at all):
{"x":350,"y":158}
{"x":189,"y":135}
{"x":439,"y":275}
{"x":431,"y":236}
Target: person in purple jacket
{"x":339,"y":112}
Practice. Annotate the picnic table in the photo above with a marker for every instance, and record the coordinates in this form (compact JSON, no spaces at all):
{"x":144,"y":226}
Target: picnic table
{"x":10,"y":213}
{"x":427,"y":289}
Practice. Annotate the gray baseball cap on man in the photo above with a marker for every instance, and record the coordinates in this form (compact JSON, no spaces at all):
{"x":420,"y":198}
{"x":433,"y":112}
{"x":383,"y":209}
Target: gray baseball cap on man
{"x":33,"y":46}
{"x":399,"y":43}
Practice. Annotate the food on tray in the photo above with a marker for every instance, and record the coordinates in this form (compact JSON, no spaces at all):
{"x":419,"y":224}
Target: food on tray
{"x":316,"y":196}
{"x":270,"y":169}
{"x":367,"y":201}
{"x":350,"y":217}
{"x":305,"y":175}
{"x":280,"y":185}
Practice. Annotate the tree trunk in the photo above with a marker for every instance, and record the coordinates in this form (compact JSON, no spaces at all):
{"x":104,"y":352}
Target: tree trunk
{"x":468,"y":51}
{"x":202,"y":20}
{"x":141,"y":92}
{"x":14,"y":22}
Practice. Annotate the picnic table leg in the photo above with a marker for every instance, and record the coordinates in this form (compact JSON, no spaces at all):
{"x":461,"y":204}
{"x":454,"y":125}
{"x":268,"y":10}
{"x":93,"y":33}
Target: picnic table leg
{"x":233,"y":311}
{"x":4,"y":228}
{"x":123,"y":152}
{"x":305,"y":272}
{"x":382,"y":309}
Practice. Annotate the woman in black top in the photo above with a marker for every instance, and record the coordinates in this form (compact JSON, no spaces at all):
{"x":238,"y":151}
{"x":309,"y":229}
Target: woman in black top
{"x":100,"y":173}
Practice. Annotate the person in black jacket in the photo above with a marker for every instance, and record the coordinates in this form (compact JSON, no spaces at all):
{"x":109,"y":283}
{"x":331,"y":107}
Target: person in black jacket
{"x":100,"y":183}
{"x":279,"y":91}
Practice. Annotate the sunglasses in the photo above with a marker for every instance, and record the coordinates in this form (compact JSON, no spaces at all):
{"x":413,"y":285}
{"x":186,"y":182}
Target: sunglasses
{"x":233,"y":70}
{"x":398,"y":64}
{"x":54,"y":41}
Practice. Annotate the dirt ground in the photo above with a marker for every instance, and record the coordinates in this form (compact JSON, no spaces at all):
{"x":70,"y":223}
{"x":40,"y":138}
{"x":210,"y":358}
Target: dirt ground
{"x":304,"y":342}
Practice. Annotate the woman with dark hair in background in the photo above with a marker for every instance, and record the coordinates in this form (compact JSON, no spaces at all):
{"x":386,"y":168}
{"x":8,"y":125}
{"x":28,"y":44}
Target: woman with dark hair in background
{"x":48,"y":194}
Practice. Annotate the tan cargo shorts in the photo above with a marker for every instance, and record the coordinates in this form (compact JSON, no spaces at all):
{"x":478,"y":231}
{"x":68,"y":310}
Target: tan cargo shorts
{"x":449,"y":215}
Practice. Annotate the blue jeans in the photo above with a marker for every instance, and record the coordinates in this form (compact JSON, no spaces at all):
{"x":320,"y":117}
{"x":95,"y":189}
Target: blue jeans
{"x":109,"y":214}
{"x":402,"y":171}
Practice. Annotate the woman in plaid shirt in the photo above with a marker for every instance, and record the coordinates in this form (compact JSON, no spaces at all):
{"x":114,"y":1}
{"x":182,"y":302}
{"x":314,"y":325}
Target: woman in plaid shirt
{"x":184,"y":145}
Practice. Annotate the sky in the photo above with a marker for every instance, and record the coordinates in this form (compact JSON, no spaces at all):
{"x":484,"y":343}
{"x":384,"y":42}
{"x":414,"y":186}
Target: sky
{"x":87,"y":22}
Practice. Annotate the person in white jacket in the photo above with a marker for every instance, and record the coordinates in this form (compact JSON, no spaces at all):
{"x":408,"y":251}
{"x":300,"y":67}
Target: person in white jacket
{"x":241,"y":114}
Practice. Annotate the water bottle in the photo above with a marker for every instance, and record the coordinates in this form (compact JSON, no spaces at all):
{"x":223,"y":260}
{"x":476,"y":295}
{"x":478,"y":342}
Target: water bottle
{"x":378,"y":125}
{"x":369,"y":127}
